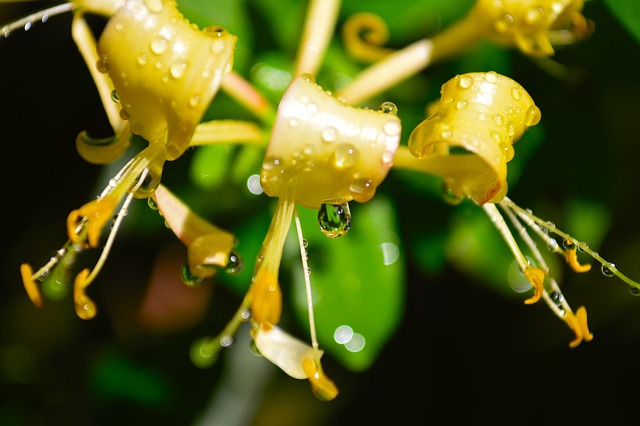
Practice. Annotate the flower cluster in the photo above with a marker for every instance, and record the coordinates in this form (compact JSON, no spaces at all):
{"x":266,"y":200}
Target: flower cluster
{"x":157,"y":75}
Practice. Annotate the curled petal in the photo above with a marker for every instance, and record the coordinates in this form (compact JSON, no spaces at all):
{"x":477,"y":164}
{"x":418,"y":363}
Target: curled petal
{"x":479,"y":117}
{"x":103,"y":151}
{"x":29,"y":285}
{"x":207,"y":244}
{"x":323,"y":388}
{"x":165,"y":71}
{"x":363,"y":34}
{"x":323,"y":150}
{"x":283,"y":350}
{"x":531,"y":25}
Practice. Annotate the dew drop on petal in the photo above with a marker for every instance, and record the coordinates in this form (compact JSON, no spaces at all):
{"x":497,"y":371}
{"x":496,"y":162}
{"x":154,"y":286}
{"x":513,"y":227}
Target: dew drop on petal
{"x":389,"y":108}
{"x":334,"y":219}
{"x":188,"y":278}
{"x":234,"y":265}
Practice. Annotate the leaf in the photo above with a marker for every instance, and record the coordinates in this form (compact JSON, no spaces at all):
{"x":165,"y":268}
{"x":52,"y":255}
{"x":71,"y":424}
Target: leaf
{"x":357,"y":281}
{"x":628,"y":14}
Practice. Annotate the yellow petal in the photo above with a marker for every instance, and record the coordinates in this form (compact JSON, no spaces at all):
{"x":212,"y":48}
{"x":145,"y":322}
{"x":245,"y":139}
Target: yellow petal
{"x":479,"y":117}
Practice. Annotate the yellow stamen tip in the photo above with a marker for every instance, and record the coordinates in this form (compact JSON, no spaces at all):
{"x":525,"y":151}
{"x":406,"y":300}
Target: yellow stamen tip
{"x":536,"y":278}
{"x":578,"y":323}
{"x":32,"y":289}
{"x":85,"y":307}
{"x":323,"y":388}
{"x":571,"y":258}
{"x":266,"y":297}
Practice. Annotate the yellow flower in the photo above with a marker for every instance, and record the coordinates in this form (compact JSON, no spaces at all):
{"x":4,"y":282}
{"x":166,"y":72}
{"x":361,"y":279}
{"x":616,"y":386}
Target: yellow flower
{"x":162,"y":74}
{"x":534,"y":26}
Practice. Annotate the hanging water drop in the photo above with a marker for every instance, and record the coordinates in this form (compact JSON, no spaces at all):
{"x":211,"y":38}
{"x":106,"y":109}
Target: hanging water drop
{"x":634,"y":291}
{"x":607,"y":270}
{"x":334,"y":219}
{"x":450,"y":196}
{"x":389,"y":108}
{"x":234,"y":265}
{"x":188,"y":277}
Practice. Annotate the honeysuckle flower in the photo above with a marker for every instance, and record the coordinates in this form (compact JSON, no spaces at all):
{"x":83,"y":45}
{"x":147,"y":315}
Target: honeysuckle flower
{"x":471,"y":135}
{"x":163,"y":73}
{"x":533,"y":26}
{"x":468,"y":140}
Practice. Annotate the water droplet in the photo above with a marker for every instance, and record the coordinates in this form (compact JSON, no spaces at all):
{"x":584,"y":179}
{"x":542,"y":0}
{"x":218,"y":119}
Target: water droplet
{"x":362,"y":189}
{"x":345,"y":155}
{"x":391,"y":128}
{"x":151,"y":202}
{"x":177,"y":69}
{"x":334,"y":219}
{"x":234,"y":266}
{"x":159,"y":45}
{"x":553,"y":244}
{"x":329,"y":134}
{"x":533,"y":116}
{"x":450,"y":196}
{"x":194,"y":100}
{"x":114,"y":96}
{"x":516,"y":93}
{"x":607,"y":270}
{"x":387,"y":157}
{"x":465,"y":82}
{"x":226,"y":341}
{"x":102,"y":65}
{"x":496,"y":137}
{"x":149,"y":185}
{"x":558,"y":300}
{"x":582,"y":247}
{"x":271,"y":163}
{"x":568,"y":244}
{"x":533,"y":15}
{"x":491,"y":77}
{"x":188,"y":277}
{"x":511,"y":129}
{"x":462,"y":104}
{"x":634,"y":291}
{"x":142,"y":59}
{"x":27,"y":25}
{"x":389,"y":108}
{"x":124,"y":114}
{"x":153,"y":5}
{"x":498,"y":119}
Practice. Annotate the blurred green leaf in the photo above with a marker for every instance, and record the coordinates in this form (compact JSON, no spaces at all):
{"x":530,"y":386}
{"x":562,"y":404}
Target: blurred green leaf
{"x":628,"y":14}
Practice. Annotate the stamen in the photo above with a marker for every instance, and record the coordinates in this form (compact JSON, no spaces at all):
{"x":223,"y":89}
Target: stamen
{"x":534,"y":275}
{"x":529,"y":217}
{"x":29,"y":284}
{"x":578,"y":323}
{"x":42,"y":16}
{"x":572,"y":259}
{"x":307,"y":286}
{"x":85,"y":307}
{"x":318,"y":28}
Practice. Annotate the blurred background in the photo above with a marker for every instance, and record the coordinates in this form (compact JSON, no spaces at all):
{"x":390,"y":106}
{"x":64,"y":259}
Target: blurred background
{"x":448,"y":340}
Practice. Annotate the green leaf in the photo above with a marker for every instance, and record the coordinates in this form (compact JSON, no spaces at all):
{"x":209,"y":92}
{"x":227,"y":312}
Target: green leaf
{"x":627,"y":13}
{"x":357,"y":281}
